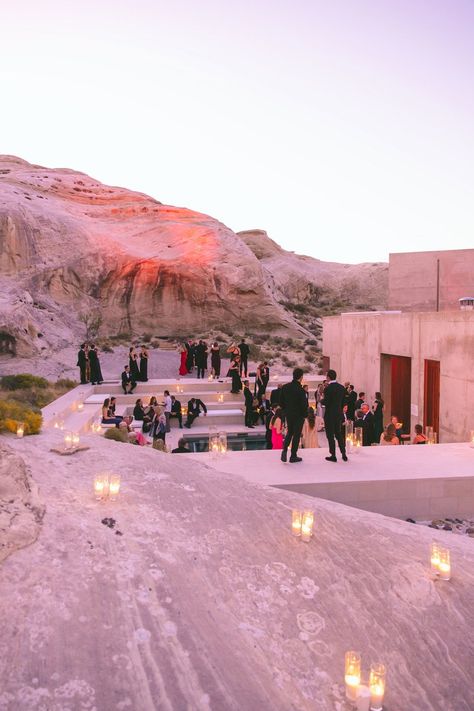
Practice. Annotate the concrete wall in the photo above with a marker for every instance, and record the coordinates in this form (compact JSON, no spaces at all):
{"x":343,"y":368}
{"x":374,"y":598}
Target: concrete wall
{"x":413,"y":279}
{"x":355,"y":342}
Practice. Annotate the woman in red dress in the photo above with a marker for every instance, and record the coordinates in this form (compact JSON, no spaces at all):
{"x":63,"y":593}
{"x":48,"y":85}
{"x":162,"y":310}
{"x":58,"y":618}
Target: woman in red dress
{"x":182,"y":366}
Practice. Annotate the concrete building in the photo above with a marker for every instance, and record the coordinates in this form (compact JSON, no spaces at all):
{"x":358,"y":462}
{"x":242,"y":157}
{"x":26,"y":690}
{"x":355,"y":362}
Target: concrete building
{"x":430,"y":281}
{"x":421,"y":360}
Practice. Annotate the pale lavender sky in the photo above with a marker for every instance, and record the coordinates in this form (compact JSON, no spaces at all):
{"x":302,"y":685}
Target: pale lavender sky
{"x":343,"y":128}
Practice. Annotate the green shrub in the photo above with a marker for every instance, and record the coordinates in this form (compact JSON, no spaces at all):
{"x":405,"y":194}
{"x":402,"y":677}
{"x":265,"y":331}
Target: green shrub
{"x":11,"y":413}
{"x":65,"y":384}
{"x":106,"y":348}
{"x":23,"y":381}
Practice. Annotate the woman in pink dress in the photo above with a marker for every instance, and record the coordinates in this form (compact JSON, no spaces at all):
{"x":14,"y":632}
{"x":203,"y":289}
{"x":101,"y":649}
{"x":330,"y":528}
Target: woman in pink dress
{"x":276,"y":426}
{"x":182,"y":366}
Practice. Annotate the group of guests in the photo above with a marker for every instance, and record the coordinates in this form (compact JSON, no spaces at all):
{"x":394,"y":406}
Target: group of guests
{"x":195,"y":354}
{"x":136,"y":370}
{"x":89,"y":364}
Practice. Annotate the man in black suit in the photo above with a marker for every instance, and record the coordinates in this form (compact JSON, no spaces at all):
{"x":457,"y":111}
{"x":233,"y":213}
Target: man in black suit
{"x":351,"y":399}
{"x":176,"y":411}
{"x":181,"y":448}
{"x":333,"y":402}
{"x":248,"y":405}
{"x":360,"y":401}
{"x":195,"y":405}
{"x":295,"y":406}
{"x":275,"y":395}
{"x":128,"y":384}
{"x":367,"y":422}
{"x":82,"y":363}
{"x":244,"y":357}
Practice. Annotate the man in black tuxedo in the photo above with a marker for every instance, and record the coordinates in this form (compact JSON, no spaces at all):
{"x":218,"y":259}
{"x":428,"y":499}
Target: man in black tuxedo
{"x":367,"y":422}
{"x":244,"y":357}
{"x":333,"y":402}
{"x":82,"y":363}
{"x":195,"y":405}
{"x":128,"y":384}
{"x":360,"y":401}
{"x":181,"y":448}
{"x":176,"y":411}
{"x":275,"y":395}
{"x":248,"y":405}
{"x":351,"y":399}
{"x":295,"y":406}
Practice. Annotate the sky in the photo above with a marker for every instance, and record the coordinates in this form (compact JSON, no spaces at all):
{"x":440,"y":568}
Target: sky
{"x":343,"y":128}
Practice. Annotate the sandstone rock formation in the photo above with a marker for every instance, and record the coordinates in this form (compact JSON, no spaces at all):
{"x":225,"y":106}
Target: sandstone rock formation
{"x":189,"y":592}
{"x":308,"y":280}
{"x":69,"y":244}
{"x":21,"y":510}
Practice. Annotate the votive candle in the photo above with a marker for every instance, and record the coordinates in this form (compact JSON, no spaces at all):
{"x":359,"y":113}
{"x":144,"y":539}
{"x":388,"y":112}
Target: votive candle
{"x":352,"y":674}
{"x":377,"y":686}
{"x":296,"y":522}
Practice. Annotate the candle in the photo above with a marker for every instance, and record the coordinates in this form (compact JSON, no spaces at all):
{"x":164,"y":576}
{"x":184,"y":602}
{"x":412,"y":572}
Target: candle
{"x":222,"y":442}
{"x":307,"y":521}
{"x":80,"y":407}
{"x":377,"y":686}
{"x":114,"y":486}
{"x":444,"y":564}
{"x":363,"y":698}
{"x":435,"y":558}
{"x":68,"y":440}
{"x":75,"y":439}
{"x":20,"y":430}
{"x":352,"y":674}
{"x":99,"y":487}
{"x":220,"y":397}
{"x":296,"y":522}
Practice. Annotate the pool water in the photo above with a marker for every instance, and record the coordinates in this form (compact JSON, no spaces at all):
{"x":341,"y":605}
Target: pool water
{"x":235,"y":442}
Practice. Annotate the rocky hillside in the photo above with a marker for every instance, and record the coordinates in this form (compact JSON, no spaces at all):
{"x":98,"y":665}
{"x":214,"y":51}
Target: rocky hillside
{"x":70,"y":245}
{"x":311,"y":288}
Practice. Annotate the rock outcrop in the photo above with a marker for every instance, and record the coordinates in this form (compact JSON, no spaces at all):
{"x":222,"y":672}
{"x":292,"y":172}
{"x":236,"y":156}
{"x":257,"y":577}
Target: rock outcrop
{"x":189,"y":592}
{"x":70,"y":245}
{"x":21,"y":510}
{"x":307,"y":280}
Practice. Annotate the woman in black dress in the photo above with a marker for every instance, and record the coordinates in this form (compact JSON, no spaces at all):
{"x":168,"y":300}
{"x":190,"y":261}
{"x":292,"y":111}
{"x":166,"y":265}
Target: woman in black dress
{"x":95,"y":371}
{"x":262,"y":378}
{"x":234,"y":372}
{"x":133,"y":363}
{"x":216,"y":360}
{"x":143,"y":364}
{"x":378,"y":416}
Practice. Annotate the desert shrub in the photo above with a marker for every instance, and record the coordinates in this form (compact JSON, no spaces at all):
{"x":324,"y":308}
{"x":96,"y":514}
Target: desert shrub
{"x":65,"y":384}
{"x":310,"y":342}
{"x":288,"y":362}
{"x":116,"y":434}
{"x":106,"y":348}
{"x":11,"y":413}
{"x":309,"y":357}
{"x":146,"y":338}
{"x":155,"y":344}
{"x":23,"y":381}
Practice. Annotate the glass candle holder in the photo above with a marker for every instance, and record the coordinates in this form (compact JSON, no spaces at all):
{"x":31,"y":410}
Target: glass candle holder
{"x":433,"y":439}
{"x":428,"y":432}
{"x":444,"y":565}
{"x":68,"y":440}
{"x":296,"y":518}
{"x":352,"y":674}
{"x":75,"y":439}
{"x":220,"y":397}
{"x":222,"y":442}
{"x":307,"y":521}
{"x":101,"y":486}
{"x":20,"y":430}
{"x":214,"y":445}
{"x":377,"y":686}
{"x":434,"y":558}
{"x":358,"y":438}
{"x":80,"y":406}
{"x":114,"y":486}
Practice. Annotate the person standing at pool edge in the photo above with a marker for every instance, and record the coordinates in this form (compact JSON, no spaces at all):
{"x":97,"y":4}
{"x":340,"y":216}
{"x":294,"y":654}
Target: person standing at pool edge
{"x":294,"y":403}
{"x":333,"y":402}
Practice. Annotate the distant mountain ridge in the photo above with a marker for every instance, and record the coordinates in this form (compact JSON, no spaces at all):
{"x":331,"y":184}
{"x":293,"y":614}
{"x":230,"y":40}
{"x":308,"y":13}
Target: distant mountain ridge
{"x":69,"y":244}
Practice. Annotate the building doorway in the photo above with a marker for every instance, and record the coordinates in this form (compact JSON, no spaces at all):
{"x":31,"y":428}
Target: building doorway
{"x":431,"y":395}
{"x":395,"y":385}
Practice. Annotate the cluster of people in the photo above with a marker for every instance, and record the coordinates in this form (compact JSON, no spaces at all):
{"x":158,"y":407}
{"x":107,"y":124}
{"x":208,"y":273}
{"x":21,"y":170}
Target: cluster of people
{"x":194,"y":355}
{"x":89,"y":364}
